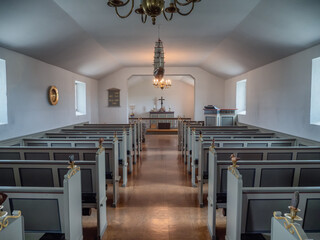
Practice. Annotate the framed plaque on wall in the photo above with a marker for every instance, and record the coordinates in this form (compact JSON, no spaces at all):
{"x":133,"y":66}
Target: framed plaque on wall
{"x":113,"y":97}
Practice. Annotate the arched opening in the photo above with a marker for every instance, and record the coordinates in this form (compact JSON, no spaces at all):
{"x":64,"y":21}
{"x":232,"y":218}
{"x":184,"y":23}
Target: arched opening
{"x":143,"y":97}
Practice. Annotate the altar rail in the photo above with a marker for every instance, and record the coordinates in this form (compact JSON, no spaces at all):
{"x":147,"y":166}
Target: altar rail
{"x":146,"y":121}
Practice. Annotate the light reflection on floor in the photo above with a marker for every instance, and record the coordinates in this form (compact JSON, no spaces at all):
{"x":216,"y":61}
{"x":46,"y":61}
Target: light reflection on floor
{"x":159,"y":202}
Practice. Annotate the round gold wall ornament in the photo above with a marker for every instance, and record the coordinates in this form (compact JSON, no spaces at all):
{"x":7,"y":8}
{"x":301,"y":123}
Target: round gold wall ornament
{"x":53,"y":95}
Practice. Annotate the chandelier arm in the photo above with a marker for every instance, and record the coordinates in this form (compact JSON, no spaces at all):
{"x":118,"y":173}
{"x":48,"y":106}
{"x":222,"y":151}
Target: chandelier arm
{"x":132,"y":6}
{"x":145,"y":19}
{"x":186,"y":14}
{"x":182,"y":4}
{"x":165,"y":16}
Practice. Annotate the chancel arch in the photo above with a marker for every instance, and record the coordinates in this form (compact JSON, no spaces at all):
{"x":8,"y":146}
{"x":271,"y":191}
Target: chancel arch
{"x":144,"y":97}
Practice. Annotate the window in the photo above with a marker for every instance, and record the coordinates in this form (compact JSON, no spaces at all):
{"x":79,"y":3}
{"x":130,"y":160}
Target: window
{"x":3,"y":93}
{"x":241,"y":96}
{"x":315,"y":90}
{"x":81,"y":99}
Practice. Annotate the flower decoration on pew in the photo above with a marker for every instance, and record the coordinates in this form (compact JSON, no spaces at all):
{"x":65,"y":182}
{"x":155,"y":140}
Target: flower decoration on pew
{"x":73,"y":168}
{"x":294,"y":208}
{"x":292,"y":216}
{"x":4,"y":217}
{"x":101,"y":140}
{"x":234,"y":166}
{"x":212,"y":144}
{"x":234,"y":161}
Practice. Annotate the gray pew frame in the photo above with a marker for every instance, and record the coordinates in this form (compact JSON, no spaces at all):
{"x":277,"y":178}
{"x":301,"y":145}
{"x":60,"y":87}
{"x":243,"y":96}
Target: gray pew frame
{"x":231,"y":135}
{"x":97,"y":179}
{"x":68,"y":198}
{"x":210,"y":130}
{"x":113,"y":155}
{"x":73,"y":143}
{"x":214,"y":177}
{"x":240,"y":198}
{"x":199,"y":146}
{"x":124,"y":143}
{"x":137,"y":126}
{"x":135,"y":132}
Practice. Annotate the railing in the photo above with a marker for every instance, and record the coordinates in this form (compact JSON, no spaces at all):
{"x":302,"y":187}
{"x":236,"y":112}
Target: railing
{"x":147,"y":122}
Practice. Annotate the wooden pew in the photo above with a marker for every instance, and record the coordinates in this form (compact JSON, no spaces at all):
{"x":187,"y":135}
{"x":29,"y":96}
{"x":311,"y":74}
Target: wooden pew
{"x":124,"y":136}
{"x":48,"y":210}
{"x":182,"y":126}
{"x":80,"y":154}
{"x":66,"y":140}
{"x":47,"y":173}
{"x":216,"y":178}
{"x":71,"y":142}
{"x":137,"y":133}
{"x":218,"y":135}
{"x":231,"y":135}
{"x":187,"y":130}
{"x":199,"y":156}
{"x":124,"y":153}
{"x":250,"y":209}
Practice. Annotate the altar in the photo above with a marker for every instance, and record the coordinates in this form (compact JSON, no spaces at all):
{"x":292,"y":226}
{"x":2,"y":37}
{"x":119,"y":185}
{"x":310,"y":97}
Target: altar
{"x":162,"y":123}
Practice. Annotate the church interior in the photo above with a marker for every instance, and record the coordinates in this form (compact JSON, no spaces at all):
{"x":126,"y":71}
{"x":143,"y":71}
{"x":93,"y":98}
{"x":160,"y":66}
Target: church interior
{"x":159,"y":119}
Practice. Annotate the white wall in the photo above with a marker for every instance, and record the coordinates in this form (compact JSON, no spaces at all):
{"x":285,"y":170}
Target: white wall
{"x":278,"y":95}
{"x":209,"y":89}
{"x":29,"y":111}
{"x":180,"y":97}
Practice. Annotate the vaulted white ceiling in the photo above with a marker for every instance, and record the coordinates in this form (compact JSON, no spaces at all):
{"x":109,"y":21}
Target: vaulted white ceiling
{"x":225,"y":38}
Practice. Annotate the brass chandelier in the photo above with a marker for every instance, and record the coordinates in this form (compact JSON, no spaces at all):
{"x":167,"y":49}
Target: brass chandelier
{"x":153,"y":8}
{"x":162,"y":83}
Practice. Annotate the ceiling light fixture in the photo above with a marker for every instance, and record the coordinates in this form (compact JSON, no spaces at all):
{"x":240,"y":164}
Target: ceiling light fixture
{"x":158,"y":65}
{"x":153,"y":8}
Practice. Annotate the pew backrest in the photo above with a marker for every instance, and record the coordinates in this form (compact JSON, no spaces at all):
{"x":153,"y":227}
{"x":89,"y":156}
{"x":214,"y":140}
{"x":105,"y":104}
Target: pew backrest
{"x":63,"y":205}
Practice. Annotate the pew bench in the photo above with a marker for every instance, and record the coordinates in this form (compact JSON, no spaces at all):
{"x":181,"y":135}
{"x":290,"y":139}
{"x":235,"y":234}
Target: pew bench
{"x":135,"y":129}
{"x":257,"y":172}
{"x":54,"y":211}
{"x":217,"y":136}
{"x":70,"y":142}
{"x":80,"y":154}
{"x":125,"y":151}
{"x":202,"y":145}
{"x":250,"y":209}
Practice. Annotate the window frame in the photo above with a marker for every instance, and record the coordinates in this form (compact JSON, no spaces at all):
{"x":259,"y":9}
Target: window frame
{"x":80,"y":86}
{"x":3,"y":93}
{"x":241,"y":97}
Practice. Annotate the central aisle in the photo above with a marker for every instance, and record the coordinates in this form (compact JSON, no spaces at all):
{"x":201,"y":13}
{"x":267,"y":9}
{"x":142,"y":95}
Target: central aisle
{"x":158,"y":202}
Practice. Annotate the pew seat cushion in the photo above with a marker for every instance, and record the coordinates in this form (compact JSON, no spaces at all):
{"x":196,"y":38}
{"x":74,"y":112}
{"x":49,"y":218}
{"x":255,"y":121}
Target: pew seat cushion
{"x":53,"y":236}
{"x":205,"y":175}
{"x":120,"y":161}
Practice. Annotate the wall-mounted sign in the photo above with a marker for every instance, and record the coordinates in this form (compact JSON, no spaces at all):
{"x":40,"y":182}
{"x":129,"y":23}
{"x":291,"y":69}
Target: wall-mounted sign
{"x":113,"y":97}
{"x":53,"y":95}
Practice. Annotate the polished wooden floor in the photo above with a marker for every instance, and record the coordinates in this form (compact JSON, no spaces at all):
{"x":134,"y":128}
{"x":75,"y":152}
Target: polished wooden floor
{"x":159,"y":202}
